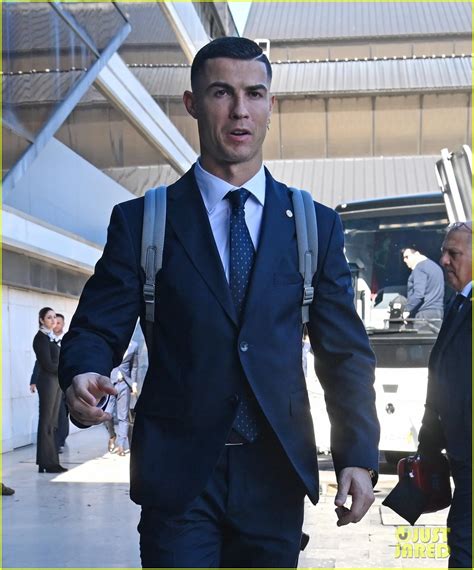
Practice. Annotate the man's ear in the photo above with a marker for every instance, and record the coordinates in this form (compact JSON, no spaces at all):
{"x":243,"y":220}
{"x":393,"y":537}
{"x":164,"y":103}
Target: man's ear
{"x":190,"y":103}
{"x":272,"y":103}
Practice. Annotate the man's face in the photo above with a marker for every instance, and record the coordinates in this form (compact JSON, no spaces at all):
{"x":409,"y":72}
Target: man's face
{"x":456,"y":259}
{"x":409,"y":258}
{"x":232,"y":104}
{"x":58,"y":325}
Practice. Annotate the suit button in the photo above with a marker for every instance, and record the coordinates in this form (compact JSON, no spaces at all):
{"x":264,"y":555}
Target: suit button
{"x":244,"y":346}
{"x":234,"y":398}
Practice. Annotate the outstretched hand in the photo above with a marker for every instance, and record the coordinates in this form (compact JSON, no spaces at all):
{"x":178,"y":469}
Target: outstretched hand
{"x":84,"y":394}
{"x":354,"y":481}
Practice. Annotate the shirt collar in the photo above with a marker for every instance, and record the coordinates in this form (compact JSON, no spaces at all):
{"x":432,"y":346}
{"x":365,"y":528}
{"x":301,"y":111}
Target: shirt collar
{"x":467,"y":290}
{"x":214,"y":189}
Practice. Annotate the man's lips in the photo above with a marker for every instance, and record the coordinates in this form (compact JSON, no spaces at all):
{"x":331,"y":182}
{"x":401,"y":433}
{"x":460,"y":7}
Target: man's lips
{"x":239,"y":133}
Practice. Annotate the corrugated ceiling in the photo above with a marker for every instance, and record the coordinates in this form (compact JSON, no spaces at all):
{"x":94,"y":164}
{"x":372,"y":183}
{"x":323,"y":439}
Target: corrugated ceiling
{"x":337,"y":20}
{"x":289,"y":79}
{"x":339,"y":180}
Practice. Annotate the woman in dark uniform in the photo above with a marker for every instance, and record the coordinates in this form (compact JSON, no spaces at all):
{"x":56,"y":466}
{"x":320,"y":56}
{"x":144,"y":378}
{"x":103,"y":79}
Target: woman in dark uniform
{"x":47,"y":355}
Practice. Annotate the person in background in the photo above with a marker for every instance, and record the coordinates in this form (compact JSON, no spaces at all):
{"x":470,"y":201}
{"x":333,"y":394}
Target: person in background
{"x":124,"y":378}
{"x":425,"y":290}
{"x":447,"y":422}
{"x":49,"y":392}
{"x":63,"y":415}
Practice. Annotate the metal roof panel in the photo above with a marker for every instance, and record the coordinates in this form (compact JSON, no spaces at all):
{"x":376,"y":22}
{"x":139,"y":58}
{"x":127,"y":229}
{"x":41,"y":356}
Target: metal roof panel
{"x":338,"y":180}
{"x":351,"y":20}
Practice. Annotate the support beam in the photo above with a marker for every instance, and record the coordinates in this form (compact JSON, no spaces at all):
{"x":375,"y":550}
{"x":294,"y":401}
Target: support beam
{"x":120,"y":86}
{"x":187,"y":26}
{"x":62,"y":111}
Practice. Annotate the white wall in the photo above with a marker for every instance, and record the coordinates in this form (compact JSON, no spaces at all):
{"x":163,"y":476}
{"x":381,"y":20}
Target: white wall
{"x":63,"y":190}
{"x":20,"y":324}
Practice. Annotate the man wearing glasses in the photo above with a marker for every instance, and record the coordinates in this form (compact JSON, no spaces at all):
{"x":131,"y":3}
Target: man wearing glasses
{"x":447,"y":420}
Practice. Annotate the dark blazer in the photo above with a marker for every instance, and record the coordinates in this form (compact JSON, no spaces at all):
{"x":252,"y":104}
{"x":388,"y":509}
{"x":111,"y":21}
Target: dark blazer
{"x":201,"y":356}
{"x":447,"y":421}
{"x":47,"y":359}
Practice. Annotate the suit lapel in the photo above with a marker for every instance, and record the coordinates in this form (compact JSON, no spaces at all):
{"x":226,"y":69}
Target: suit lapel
{"x":188,"y":217}
{"x":447,"y":332}
{"x":277,"y":231}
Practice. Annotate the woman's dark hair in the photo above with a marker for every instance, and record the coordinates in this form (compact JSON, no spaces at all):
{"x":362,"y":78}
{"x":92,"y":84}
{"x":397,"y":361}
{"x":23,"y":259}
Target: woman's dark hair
{"x":231,"y":47}
{"x":43,"y":312}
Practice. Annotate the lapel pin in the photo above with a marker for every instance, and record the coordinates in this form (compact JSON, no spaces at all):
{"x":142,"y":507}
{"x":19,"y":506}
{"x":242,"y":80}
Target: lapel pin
{"x":289,"y":213}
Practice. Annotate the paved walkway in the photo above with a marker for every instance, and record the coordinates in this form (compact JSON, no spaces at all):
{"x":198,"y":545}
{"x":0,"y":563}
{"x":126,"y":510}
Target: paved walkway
{"x":85,"y":519}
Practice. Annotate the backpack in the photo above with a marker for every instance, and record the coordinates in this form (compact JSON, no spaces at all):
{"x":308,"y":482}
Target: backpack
{"x":153,"y":237}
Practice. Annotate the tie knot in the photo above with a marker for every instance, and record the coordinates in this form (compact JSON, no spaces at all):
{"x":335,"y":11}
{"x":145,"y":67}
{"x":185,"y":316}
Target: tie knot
{"x":238,"y":197}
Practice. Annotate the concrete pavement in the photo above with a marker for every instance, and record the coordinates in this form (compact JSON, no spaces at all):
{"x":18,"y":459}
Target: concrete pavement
{"x":85,"y":519}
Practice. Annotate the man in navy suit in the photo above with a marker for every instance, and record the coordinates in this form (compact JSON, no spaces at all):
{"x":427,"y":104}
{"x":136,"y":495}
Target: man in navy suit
{"x":223,"y":451}
{"x":447,"y":422}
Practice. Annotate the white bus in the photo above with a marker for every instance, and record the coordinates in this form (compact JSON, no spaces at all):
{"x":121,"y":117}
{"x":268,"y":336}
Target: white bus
{"x":375,"y":231}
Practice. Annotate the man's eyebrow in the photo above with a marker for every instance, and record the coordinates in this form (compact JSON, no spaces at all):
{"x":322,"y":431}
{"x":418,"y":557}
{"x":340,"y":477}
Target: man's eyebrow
{"x":259,"y":86}
{"x":219,"y":84}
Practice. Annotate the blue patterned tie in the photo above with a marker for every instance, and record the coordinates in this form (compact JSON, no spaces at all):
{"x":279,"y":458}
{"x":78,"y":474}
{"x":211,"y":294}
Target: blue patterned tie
{"x":242,"y":251}
{"x":242,"y":256}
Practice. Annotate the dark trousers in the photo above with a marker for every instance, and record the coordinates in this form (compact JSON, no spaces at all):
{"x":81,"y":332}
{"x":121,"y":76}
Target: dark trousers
{"x":63,"y":422}
{"x":250,"y":515}
{"x":460,"y":518}
{"x":49,"y":394}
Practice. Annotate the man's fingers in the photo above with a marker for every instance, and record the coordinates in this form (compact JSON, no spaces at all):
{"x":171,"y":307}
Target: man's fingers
{"x":342,"y":491}
{"x":88,"y":415}
{"x":91,"y":387}
{"x":106,"y":385}
{"x":356,"y":482}
{"x":343,"y":516}
{"x":360,"y":505}
{"x":83,"y":395}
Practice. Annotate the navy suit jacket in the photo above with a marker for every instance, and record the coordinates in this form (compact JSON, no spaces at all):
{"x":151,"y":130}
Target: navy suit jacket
{"x":447,"y":421}
{"x":201,"y":356}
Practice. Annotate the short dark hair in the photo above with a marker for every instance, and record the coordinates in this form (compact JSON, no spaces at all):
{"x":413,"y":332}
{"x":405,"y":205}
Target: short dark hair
{"x":42,"y":313}
{"x":231,"y":47}
{"x":61,"y":316}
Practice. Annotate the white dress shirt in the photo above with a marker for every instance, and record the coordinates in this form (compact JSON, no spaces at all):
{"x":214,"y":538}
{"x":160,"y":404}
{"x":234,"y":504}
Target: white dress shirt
{"x":213,"y":191}
{"x":467,"y":289}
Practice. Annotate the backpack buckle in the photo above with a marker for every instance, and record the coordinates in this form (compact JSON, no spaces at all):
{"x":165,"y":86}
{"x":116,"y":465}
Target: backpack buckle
{"x":149,"y":292}
{"x":308,"y":295}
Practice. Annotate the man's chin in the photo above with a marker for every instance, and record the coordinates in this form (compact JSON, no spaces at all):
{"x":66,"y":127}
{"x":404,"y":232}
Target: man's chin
{"x":452,"y":282}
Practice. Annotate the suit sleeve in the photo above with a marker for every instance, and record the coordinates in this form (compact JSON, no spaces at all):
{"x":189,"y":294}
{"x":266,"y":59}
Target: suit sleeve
{"x":344,"y":361}
{"x":35,"y":374}
{"x":108,"y":308}
{"x":431,"y":439}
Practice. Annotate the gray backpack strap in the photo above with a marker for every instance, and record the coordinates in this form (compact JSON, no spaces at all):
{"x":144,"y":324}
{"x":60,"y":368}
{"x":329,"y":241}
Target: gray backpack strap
{"x":307,"y":238}
{"x":153,"y":238}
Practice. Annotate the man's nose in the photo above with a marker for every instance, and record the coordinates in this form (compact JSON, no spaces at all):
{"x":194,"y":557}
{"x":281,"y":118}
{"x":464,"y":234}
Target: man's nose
{"x":239,"y":108}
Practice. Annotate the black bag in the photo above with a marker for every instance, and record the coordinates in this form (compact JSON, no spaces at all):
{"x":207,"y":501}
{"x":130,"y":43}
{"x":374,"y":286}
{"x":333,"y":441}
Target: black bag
{"x":423,"y":487}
